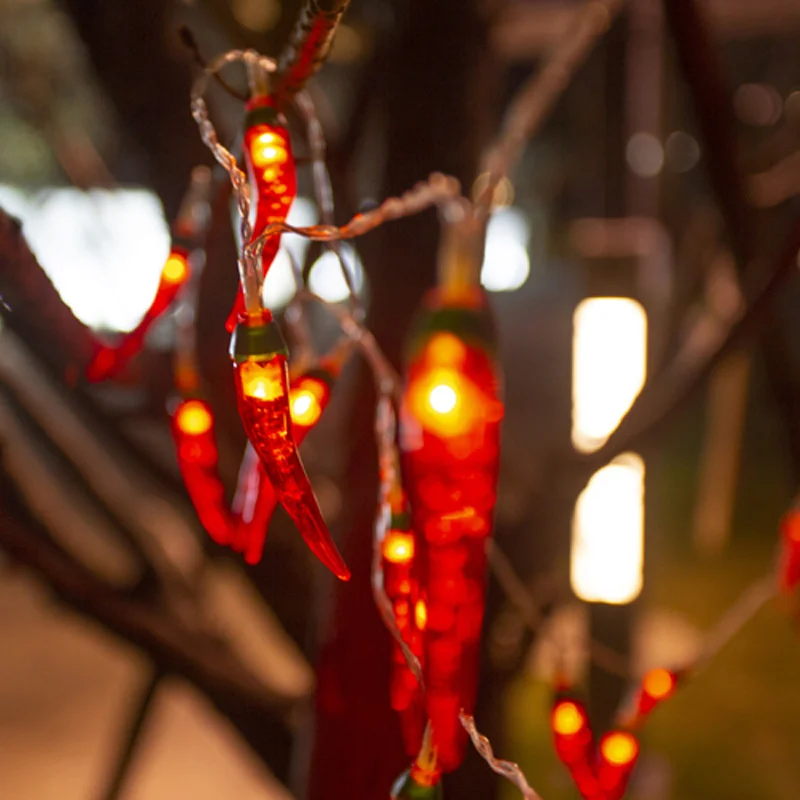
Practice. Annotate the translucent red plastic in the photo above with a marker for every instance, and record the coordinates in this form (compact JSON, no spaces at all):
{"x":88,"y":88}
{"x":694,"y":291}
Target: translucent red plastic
{"x":262,"y":389}
{"x":450,"y":438}
{"x":109,"y":360}
{"x":270,"y":166}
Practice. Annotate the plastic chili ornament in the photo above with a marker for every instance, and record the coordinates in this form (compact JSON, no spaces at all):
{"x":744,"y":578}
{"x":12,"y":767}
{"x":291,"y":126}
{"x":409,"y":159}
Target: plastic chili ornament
{"x":110,"y":360}
{"x":397,"y":553}
{"x":256,"y":497}
{"x":450,"y":438}
{"x":617,"y":756}
{"x":271,"y":172}
{"x":193,"y":432}
{"x":789,"y":559}
{"x":657,"y":685}
{"x":574,"y":743}
{"x":262,"y":388}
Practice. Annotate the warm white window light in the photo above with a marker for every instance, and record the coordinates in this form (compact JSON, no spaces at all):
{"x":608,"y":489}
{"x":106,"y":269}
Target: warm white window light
{"x":506,"y":265}
{"x":326,"y":279}
{"x":102,"y":249}
{"x":608,"y":371}
{"x":609,"y":365}
{"x":608,"y":534}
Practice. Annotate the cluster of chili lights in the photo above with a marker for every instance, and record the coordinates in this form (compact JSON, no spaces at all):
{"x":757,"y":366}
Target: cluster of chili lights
{"x":601,"y":773}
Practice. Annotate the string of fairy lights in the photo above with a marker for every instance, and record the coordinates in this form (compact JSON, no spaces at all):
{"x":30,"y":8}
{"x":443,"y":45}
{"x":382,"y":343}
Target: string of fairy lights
{"x":436,"y":429}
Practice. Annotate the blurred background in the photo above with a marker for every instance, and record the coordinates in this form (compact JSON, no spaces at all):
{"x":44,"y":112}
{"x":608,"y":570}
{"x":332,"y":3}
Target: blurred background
{"x":141,"y":661}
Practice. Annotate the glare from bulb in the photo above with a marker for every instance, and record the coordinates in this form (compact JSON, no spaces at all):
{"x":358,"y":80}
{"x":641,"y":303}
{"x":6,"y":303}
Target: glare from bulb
{"x":442,"y":399}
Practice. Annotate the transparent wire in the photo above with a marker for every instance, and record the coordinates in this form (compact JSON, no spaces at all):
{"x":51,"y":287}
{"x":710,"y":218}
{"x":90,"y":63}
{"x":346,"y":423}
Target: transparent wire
{"x":507,"y":769}
{"x":249,"y":261}
{"x":324,"y":191}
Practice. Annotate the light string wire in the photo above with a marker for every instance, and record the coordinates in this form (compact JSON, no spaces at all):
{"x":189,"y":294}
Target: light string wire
{"x":440,"y":190}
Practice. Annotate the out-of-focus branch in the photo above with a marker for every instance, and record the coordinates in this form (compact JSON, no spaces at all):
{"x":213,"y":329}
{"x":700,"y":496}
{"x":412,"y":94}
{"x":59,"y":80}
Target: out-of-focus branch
{"x":692,"y":365}
{"x":194,"y":654}
{"x":706,"y":84}
{"x":530,"y":106}
{"x":34,"y":307}
{"x":308,"y":46}
{"x":704,"y":79}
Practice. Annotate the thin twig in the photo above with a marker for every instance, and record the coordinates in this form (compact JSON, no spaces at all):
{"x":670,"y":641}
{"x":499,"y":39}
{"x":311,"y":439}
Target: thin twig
{"x":143,"y":707}
{"x":532,"y":103}
{"x":187,"y":38}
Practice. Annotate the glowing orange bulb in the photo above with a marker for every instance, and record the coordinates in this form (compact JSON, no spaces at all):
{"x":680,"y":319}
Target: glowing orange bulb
{"x":619,"y":748}
{"x":193,"y":418}
{"x":175,"y":269}
{"x":305,"y":408}
{"x":261,"y":381}
{"x":659,"y":683}
{"x":421,"y":615}
{"x":445,"y":348}
{"x":442,"y":398}
{"x":398,"y":547}
{"x":793,"y":527}
{"x":568,"y":718}
{"x":268,"y":148}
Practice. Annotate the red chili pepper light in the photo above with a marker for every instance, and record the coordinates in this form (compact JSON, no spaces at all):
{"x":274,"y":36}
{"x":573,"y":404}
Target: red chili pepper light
{"x":450,"y":436}
{"x":572,"y":735}
{"x":398,"y":551}
{"x":262,"y":388}
{"x":617,"y":756}
{"x":256,"y":498}
{"x":789,"y":560}
{"x":271,"y":171}
{"x":110,"y":360}
{"x":193,"y":431}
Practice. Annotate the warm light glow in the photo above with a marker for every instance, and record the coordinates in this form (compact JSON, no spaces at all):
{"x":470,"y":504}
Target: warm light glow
{"x":398,"y":547}
{"x":659,"y":683}
{"x":609,"y":366}
{"x":268,"y":148}
{"x":608,"y":534}
{"x":567,"y":719}
{"x":442,"y":398}
{"x":193,"y":418}
{"x":619,"y":748}
{"x":261,"y":381}
{"x":305,"y":407}
{"x":439,"y":399}
{"x":421,"y":615}
{"x":175,"y":269}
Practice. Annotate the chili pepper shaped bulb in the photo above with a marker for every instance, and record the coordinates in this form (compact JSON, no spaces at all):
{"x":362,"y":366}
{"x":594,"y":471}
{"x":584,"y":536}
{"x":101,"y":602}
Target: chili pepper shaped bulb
{"x":657,"y":686}
{"x":449,"y":435}
{"x":256,"y":497}
{"x":271,"y":172}
{"x":193,"y":432}
{"x":262,"y":388}
{"x":789,"y":558}
{"x":617,"y":755}
{"x":109,"y":360}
